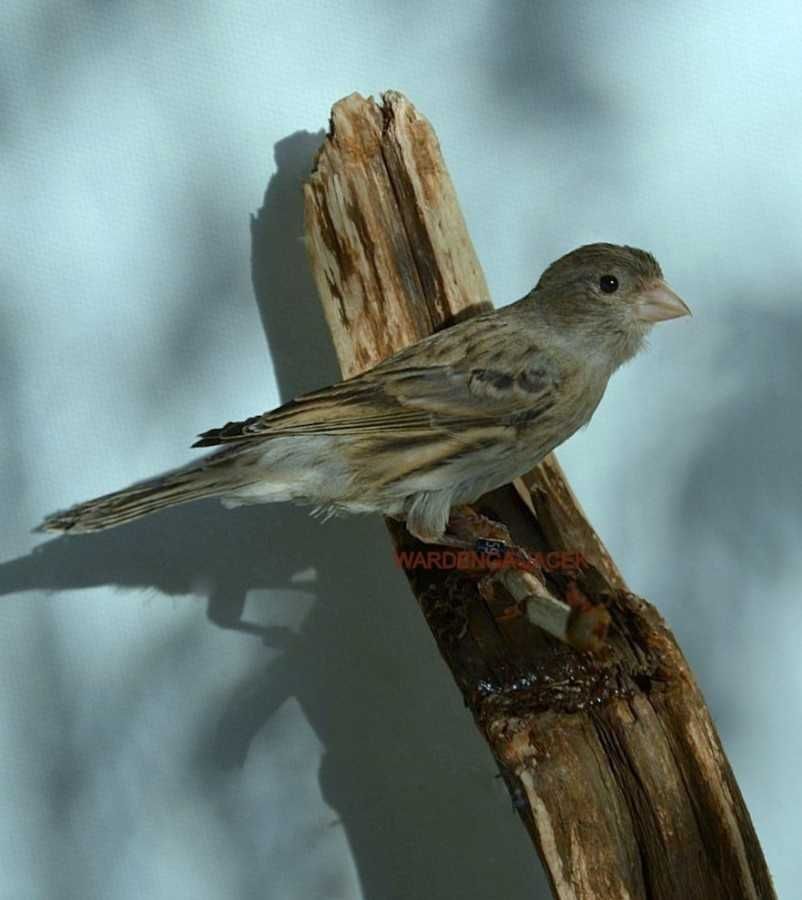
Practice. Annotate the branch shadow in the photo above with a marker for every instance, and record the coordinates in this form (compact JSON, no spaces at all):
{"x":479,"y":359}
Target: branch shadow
{"x":412,"y":786}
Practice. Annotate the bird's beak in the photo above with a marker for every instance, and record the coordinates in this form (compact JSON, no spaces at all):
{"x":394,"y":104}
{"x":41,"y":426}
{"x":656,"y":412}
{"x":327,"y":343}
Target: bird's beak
{"x":658,"y":303}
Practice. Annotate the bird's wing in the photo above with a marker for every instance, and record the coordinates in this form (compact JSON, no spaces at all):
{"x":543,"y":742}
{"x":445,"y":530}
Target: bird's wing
{"x":491,"y":371}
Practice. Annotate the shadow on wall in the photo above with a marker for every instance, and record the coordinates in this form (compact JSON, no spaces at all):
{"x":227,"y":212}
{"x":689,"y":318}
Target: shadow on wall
{"x":411,"y":782}
{"x":537,"y":75}
{"x":738,"y":514}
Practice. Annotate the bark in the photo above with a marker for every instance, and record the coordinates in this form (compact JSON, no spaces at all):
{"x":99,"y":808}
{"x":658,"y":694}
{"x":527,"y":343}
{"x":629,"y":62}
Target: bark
{"x":611,"y":758}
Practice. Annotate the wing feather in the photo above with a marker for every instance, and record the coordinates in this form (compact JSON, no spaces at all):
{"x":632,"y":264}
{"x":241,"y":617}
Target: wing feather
{"x":479,"y":371}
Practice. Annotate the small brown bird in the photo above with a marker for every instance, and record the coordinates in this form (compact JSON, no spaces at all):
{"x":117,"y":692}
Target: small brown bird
{"x":461,"y":412}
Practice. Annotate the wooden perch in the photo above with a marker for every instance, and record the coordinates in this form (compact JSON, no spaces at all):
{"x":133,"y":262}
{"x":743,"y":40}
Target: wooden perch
{"x":612,"y":759}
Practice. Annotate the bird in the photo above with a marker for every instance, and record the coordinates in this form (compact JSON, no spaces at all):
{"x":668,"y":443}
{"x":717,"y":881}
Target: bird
{"x":438,"y":424}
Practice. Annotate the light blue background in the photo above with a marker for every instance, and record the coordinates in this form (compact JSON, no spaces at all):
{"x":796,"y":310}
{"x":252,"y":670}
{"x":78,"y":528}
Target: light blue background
{"x":148,"y":751}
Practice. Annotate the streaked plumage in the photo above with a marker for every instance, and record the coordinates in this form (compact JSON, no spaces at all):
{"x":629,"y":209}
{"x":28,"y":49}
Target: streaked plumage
{"x":438,"y":424}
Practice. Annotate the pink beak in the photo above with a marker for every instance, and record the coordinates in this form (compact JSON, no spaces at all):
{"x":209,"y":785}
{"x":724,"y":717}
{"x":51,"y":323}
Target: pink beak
{"x":659,"y":303}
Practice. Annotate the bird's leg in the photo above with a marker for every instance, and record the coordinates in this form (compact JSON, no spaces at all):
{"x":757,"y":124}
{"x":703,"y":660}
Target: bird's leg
{"x":493,"y":539}
{"x":487,"y":536}
{"x":574,"y":621}
{"x":476,"y":532}
{"x":465,"y":522}
{"x":458,"y":532}
{"x":449,"y":540}
{"x":470,"y":530}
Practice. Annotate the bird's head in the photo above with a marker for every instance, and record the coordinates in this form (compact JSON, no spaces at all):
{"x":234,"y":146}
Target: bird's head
{"x":608,"y":293}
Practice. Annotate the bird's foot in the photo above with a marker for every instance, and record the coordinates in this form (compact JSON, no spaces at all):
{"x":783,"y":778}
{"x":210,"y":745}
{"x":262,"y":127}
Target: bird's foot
{"x":465,"y":522}
{"x":487,"y":538}
{"x":489,"y":541}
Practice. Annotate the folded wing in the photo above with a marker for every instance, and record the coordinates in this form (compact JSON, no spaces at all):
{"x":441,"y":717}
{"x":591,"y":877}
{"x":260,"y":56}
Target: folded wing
{"x":481,"y":370}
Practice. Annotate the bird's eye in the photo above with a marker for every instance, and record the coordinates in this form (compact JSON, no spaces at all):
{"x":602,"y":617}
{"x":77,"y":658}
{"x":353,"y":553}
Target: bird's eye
{"x":608,"y":284}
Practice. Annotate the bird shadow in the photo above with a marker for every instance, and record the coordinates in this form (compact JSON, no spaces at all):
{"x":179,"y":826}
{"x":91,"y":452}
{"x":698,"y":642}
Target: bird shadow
{"x":412,"y":786}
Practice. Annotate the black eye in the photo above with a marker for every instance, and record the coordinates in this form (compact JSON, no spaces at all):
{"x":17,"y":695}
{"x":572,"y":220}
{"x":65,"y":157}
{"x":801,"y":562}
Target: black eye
{"x":608,"y":284}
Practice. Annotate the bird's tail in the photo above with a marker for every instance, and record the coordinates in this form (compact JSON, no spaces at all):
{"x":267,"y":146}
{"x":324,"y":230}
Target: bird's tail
{"x":179,"y":486}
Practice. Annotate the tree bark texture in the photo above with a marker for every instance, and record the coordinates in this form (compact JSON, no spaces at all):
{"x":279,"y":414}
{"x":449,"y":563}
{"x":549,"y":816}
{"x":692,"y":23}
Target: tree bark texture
{"x":611,"y":758}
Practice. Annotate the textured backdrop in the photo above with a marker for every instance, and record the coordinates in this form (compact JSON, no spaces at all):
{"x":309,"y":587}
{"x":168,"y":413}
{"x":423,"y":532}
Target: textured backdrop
{"x":150,"y":749}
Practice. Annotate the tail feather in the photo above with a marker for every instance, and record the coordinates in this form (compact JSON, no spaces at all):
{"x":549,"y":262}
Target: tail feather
{"x":138,"y":500}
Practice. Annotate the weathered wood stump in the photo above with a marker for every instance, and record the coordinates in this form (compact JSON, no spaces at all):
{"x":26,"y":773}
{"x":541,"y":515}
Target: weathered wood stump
{"x":611,"y":758}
